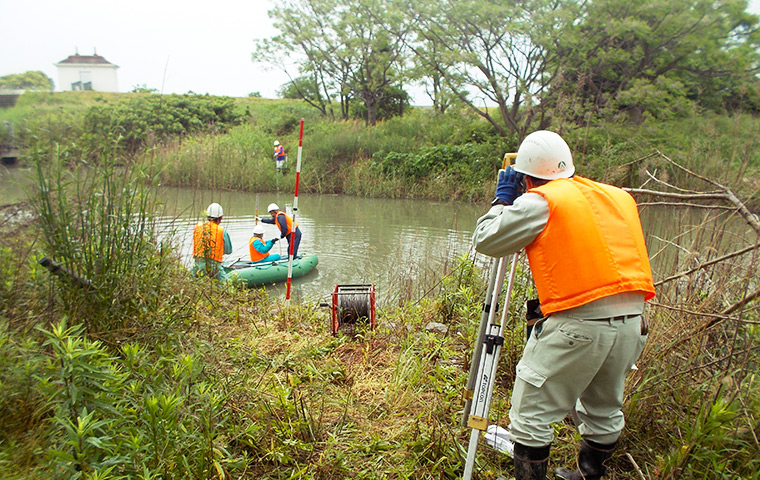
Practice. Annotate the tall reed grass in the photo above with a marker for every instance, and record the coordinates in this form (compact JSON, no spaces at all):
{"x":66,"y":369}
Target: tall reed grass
{"x":693,"y":402}
{"x":97,"y":223}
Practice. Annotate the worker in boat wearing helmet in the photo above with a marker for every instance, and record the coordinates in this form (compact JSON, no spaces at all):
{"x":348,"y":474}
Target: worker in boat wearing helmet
{"x":288,"y":228}
{"x":279,"y":155}
{"x":210,"y":243}
{"x":259,"y":249}
{"x":588,"y":258}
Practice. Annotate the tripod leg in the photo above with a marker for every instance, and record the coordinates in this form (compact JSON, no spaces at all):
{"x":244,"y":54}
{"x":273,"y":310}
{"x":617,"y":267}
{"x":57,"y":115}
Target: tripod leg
{"x":490,"y":349}
{"x":475,"y":359}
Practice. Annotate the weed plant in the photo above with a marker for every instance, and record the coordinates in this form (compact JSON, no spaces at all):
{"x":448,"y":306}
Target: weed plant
{"x":96,"y":223}
{"x":693,"y":401}
{"x":252,"y":388}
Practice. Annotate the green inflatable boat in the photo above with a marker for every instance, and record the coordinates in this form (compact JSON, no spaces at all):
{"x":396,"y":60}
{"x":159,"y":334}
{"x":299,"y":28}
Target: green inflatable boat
{"x":255,"y":274}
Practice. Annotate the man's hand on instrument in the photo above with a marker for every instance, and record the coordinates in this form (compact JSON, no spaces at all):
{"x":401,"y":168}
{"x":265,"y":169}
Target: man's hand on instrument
{"x":508,"y":187}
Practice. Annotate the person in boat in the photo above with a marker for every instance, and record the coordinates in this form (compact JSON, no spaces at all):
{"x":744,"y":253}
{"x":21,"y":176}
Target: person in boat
{"x":587,"y":254}
{"x":210,"y":243}
{"x":279,"y":155}
{"x":259,"y":249}
{"x":288,"y":228}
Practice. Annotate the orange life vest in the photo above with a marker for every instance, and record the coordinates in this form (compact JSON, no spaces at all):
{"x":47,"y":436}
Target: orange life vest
{"x":592,"y":246}
{"x":288,"y":221}
{"x":255,"y":254}
{"x":208,"y":241}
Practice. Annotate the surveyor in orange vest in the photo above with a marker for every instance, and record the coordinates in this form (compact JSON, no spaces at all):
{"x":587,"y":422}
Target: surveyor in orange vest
{"x":210,"y":243}
{"x":259,"y":249}
{"x":279,"y":155}
{"x":588,"y":258}
{"x":288,"y":228}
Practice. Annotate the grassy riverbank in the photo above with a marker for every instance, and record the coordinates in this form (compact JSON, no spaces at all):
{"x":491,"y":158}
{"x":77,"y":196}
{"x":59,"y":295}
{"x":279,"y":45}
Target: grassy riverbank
{"x":228,"y":384}
{"x":138,"y":370}
{"x":222,"y":143}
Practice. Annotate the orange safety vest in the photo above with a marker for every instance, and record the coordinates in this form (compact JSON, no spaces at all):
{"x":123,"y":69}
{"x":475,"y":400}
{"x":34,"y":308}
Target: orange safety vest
{"x":288,"y":221}
{"x":255,"y":254}
{"x":208,"y":241}
{"x":592,"y":246}
{"x":279,"y":151}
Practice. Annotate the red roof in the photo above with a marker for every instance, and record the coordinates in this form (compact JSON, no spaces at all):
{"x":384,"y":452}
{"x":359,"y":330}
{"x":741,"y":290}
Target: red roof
{"x":86,"y":59}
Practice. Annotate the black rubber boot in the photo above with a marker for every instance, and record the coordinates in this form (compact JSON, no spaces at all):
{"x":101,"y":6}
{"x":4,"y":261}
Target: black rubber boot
{"x":591,"y":460}
{"x":531,"y":462}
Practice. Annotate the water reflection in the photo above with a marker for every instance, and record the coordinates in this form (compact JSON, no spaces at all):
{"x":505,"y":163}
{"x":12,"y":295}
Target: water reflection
{"x":389,"y":243}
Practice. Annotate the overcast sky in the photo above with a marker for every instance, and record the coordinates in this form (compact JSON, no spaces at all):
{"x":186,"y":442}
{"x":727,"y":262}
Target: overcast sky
{"x":173,"y":46}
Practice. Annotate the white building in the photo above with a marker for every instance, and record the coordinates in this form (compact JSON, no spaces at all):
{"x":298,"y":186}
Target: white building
{"x":87,"y":72}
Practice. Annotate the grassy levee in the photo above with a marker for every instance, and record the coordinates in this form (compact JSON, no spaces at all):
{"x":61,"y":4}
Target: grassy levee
{"x":423,"y":154}
{"x":145,"y":372}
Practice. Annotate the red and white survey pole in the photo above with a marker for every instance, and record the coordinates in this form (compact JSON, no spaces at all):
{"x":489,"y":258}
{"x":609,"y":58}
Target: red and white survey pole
{"x":295,"y":211}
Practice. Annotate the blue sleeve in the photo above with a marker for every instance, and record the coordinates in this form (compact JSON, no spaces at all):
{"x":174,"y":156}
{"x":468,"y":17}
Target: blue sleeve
{"x":263,"y":247}
{"x":270,"y":221}
{"x":283,"y":224}
{"x":227,"y":243}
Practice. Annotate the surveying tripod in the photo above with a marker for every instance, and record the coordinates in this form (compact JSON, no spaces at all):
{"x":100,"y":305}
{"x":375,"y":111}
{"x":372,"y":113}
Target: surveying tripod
{"x":485,"y":357}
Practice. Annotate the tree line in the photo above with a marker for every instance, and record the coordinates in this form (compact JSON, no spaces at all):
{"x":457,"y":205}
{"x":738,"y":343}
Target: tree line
{"x":519,"y":64}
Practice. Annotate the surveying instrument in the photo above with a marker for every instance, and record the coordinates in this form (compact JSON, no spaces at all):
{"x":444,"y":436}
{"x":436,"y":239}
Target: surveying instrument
{"x":485,"y":357}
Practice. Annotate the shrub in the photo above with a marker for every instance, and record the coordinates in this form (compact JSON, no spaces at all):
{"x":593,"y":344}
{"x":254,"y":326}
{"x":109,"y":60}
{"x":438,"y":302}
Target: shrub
{"x":97,"y":223}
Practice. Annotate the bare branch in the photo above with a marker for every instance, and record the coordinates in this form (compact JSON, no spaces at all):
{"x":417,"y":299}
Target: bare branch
{"x":702,"y":266}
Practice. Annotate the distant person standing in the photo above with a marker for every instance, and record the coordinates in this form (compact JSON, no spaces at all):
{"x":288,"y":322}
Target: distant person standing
{"x":210,"y":243}
{"x":259,"y":249}
{"x":288,"y":228}
{"x":279,"y":155}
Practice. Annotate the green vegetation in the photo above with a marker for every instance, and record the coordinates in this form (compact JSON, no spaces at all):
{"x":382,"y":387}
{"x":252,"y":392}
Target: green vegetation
{"x":27,"y":81}
{"x":121,"y":365}
{"x":145,"y":372}
{"x":531,"y":59}
{"x":224,"y":143}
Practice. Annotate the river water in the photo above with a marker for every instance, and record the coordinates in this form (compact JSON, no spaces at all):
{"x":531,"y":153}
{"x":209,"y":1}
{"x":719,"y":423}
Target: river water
{"x":397,"y":245}
{"x":400,"y":246}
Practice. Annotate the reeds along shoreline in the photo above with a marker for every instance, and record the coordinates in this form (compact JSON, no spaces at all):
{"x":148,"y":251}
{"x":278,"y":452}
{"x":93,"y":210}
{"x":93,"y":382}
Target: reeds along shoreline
{"x":444,"y":162}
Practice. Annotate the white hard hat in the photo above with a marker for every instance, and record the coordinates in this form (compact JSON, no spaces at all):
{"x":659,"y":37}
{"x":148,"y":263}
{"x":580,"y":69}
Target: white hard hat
{"x":258,"y":230}
{"x":276,"y":143}
{"x":214,"y":210}
{"x":544,"y":154}
{"x":272,"y":206}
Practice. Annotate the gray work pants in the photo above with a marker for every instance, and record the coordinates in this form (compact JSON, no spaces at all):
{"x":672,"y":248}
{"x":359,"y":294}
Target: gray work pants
{"x":572,"y":363}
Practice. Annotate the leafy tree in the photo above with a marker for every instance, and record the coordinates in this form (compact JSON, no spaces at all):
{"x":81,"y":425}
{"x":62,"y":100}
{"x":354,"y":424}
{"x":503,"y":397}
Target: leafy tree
{"x":624,"y":54}
{"x":394,"y":102}
{"x":495,"y":56}
{"x":32,"y":80}
{"x":346,"y":48}
{"x":431,"y":80}
{"x":305,"y":33}
{"x":305,"y":88}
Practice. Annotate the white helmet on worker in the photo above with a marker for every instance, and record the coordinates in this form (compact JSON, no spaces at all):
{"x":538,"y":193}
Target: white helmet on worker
{"x":258,"y":230}
{"x":276,"y":143}
{"x":544,"y":154}
{"x":214,"y":211}
{"x":272,"y":207}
